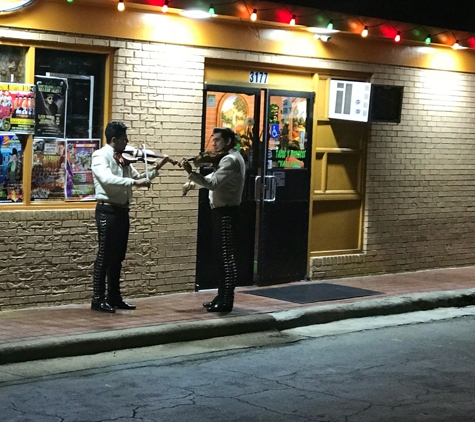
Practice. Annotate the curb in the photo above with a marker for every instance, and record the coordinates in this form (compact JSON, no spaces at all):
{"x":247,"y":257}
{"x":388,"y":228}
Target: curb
{"x":376,"y":307}
{"x":107,"y":341}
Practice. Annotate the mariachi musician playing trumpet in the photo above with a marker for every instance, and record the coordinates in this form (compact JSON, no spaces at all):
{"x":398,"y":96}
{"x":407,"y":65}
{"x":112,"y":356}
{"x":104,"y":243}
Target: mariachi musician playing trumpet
{"x":114,"y":178}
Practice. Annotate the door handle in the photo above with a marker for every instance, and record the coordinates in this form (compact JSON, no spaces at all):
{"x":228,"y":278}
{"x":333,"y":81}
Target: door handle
{"x":270,"y":188}
{"x":256,"y":190}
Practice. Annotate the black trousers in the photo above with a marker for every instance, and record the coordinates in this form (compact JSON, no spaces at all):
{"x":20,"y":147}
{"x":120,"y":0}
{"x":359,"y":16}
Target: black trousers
{"x":113,"y":227}
{"x":225,"y":221}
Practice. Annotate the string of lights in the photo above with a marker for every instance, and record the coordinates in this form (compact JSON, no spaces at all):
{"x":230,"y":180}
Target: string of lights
{"x":323,"y":24}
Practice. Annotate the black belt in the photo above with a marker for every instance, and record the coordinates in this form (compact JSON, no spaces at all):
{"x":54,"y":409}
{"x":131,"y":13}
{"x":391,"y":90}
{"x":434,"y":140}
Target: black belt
{"x":112,"y":204}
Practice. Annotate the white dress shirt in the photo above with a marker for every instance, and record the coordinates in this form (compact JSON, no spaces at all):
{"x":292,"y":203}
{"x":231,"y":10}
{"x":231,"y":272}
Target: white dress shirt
{"x":226,"y":183}
{"x":113,"y":182}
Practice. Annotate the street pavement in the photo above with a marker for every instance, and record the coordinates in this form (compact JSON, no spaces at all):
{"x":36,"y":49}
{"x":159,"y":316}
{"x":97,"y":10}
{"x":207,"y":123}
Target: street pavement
{"x":75,"y":330}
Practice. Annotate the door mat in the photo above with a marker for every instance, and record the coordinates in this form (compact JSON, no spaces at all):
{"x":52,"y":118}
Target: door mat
{"x":309,"y":293}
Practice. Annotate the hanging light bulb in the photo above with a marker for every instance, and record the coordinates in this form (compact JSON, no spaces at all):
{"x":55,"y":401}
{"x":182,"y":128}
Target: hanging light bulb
{"x":121,"y":6}
{"x":165,"y":7}
{"x":254,"y":15}
{"x":211,"y":10}
{"x":428,"y":39}
{"x":397,"y":38}
{"x":330,"y":25}
{"x":364,"y":32}
{"x":292,"y":21}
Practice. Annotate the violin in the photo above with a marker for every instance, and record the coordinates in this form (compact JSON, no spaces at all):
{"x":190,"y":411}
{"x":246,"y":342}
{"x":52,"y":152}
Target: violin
{"x":206,"y":158}
{"x":133,"y":155}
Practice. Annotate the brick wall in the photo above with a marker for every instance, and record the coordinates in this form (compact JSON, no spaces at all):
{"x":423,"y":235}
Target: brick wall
{"x":420,"y":179}
{"x":419,"y":195}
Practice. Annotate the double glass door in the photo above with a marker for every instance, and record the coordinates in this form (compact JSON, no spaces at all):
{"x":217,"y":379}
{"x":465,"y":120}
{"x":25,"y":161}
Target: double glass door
{"x":274,"y":130}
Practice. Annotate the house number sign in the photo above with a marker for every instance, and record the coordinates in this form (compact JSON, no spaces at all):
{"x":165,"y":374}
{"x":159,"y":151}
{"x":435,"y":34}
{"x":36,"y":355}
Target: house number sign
{"x":258,"y":77}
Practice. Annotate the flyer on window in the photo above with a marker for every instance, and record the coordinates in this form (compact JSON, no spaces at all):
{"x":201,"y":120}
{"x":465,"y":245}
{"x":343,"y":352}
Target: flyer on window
{"x":51,"y":100}
{"x":80,"y":184}
{"x":11,"y":161}
{"x":17,"y":108}
{"x":48,"y":174}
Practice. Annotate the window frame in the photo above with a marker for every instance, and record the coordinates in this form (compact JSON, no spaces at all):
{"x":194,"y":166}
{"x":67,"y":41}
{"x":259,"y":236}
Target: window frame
{"x":27,"y":140}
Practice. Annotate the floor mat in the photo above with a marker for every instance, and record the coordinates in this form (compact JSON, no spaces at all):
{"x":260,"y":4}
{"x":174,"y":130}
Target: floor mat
{"x":309,"y":293}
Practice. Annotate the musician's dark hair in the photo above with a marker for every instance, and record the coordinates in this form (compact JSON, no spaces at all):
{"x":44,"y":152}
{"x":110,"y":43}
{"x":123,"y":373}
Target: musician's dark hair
{"x":115,"y":129}
{"x":227,"y":134}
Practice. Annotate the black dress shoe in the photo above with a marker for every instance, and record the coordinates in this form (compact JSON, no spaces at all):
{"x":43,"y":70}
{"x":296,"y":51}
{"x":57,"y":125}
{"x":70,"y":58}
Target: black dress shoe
{"x":102,"y":306}
{"x":217,"y":307}
{"x":122,"y":304}
{"x":213,"y":302}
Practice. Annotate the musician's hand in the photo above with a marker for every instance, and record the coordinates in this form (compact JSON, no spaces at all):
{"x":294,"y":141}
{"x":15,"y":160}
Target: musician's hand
{"x":142,"y":183}
{"x":187,"y":166}
{"x":188,"y":186}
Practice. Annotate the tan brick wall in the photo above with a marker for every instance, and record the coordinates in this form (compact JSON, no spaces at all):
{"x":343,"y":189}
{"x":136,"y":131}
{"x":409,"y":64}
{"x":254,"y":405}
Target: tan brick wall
{"x":419,"y":194}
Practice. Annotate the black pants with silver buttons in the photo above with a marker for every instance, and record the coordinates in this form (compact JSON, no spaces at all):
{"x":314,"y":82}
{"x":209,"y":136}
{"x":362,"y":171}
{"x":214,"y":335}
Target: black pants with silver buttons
{"x":225,"y":221}
{"x":113,"y":226}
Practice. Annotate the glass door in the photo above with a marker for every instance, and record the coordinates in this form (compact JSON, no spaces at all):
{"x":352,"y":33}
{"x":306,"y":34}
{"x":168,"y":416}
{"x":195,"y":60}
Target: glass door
{"x":238,"y":109}
{"x":283,"y":188}
{"x":274,"y":132}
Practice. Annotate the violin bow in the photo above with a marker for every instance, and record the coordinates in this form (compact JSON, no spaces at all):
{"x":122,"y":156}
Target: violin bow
{"x":145,"y":159}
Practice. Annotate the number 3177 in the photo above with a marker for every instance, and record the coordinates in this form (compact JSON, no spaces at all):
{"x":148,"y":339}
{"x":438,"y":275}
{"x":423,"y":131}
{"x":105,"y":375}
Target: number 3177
{"x":258,"y":77}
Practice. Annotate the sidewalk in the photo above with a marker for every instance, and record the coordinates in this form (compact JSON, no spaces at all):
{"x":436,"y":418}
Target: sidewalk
{"x":72,"y":330}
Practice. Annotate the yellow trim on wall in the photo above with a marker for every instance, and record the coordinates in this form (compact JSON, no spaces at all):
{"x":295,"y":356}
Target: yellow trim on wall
{"x":134,"y":24}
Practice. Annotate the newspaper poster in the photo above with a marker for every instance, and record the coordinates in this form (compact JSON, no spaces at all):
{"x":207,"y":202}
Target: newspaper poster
{"x":11,"y":159}
{"x":51,"y":100}
{"x":80,"y":184}
{"x":17,"y":108}
{"x":48,"y":174}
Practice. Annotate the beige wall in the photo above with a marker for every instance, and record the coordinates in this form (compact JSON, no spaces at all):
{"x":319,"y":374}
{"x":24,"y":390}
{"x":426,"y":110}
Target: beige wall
{"x":420,"y":180}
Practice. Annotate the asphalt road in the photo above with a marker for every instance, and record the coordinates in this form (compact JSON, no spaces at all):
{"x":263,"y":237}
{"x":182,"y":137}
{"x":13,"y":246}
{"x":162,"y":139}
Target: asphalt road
{"x":409,"y":367}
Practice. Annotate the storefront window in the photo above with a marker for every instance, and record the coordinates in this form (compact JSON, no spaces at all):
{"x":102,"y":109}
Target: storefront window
{"x":68,"y":124}
{"x":12,"y":64}
{"x":49,"y":126}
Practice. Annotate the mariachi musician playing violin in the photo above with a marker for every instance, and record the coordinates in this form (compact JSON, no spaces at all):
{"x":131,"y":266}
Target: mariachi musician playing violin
{"x":225,"y":186}
{"x":113,"y":181}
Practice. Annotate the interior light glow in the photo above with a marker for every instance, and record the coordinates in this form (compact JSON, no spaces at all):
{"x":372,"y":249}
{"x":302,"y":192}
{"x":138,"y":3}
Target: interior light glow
{"x":397,"y":38}
{"x":428,"y":39}
{"x":364,"y":32}
{"x":292,"y":21}
{"x":254,"y":15}
{"x":120,"y":6}
{"x":165,"y":7}
{"x":330,"y":25}
{"x":195,"y":14}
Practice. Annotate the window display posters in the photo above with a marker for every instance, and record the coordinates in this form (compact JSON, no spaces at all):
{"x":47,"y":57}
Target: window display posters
{"x":11,"y":161}
{"x":17,"y":108}
{"x":79,"y":113}
{"x":51,"y":100}
{"x":80,"y":186}
{"x":48,"y":174}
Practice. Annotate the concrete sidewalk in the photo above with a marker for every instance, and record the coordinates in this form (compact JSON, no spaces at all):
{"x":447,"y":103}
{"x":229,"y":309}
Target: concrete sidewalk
{"x":43,"y":333}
